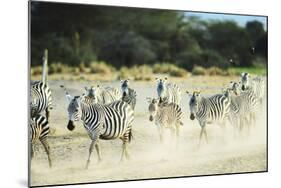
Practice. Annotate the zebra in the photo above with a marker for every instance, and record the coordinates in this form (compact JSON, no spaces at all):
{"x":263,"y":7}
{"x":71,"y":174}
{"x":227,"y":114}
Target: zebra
{"x":208,"y":110}
{"x":256,"y":84}
{"x":245,"y":104}
{"x":39,"y":130}
{"x":168,"y":91}
{"x":128,"y":95}
{"x":105,"y":95}
{"x":41,"y":95}
{"x":165,"y":115}
{"x":106,"y":122}
{"x":238,"y":114}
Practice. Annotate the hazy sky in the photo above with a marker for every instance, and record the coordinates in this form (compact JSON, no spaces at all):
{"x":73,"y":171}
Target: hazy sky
{"x":240,"y":19}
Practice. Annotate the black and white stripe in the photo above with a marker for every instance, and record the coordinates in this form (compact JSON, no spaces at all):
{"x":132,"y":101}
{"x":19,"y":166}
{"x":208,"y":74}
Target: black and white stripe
{"x":41,"y":96}
{"x":128,"y":94}
{"x":165,"y":115}
{"x":168,"y":92}
{"x":39,"y":130}
{"x":106,"y":122}
{"x":243,"y":108}
{"x":105,"y":95}
{"x":208,"y":110}
{"x":41,"y":99}
{"x":257,"y":85}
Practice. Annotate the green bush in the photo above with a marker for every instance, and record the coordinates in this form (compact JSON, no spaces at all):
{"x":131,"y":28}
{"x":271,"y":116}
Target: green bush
{"x":198,"y":70}
{"x":171,"y":69}
{"x":101,"y":67}
{"x":214,"y":71}
{"x":36,"y":70}
{"x":141,"y":72}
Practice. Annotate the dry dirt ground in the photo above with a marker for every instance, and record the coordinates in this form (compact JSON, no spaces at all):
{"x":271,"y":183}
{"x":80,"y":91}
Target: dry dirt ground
{"x":226,"y":151}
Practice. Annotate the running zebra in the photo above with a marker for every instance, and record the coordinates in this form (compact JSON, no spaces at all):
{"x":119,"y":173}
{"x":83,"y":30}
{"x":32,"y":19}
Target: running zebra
{"x":238,"y":114}
{"x":208,"y":110}
{"x":168,"y":92}
{"x":105,"y":95}
{"x":165,"y":115}
{"x":41,"y":96}
{"x":256,"y":84}
{"x":39,"y":130}
{"x":106,"y":122}
{"x":244,"y":105}
{"x":128,"y":95}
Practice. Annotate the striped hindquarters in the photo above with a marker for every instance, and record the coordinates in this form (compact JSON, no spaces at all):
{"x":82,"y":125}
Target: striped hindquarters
{"x":215,"y":108}
{"x":109,"y":95}
{"x":173,"y":94}
{"x":169,"y":114}
{"x":39,"y":128}
{"x":111,"y":121}
{"x":41,"y":97}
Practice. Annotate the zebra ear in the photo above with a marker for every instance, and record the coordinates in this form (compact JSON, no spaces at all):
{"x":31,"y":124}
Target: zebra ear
{"x":68,"y":97}
{"x":242,"y":74}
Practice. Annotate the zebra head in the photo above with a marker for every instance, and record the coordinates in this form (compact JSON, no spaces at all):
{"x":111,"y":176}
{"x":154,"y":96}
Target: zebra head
{"x":245,"y":81}
{"x":152,"y":108}
{"x":235,"y":87}
{"x":125,"y":87}
{"x":91,"y":94}
{"x":73,"y":109}
{"x":74,"y":112}
{"x":194,"y":103}
{"x":161,"y":88}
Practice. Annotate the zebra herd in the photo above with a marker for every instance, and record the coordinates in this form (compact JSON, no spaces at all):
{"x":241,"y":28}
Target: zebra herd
{"x":108,"y":113}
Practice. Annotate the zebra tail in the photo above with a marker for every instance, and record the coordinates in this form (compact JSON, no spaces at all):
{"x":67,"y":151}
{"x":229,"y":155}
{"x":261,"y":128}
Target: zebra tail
{"x":45,"y":67}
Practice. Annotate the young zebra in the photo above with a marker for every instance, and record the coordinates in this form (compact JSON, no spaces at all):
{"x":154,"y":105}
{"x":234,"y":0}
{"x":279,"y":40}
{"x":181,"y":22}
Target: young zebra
{"x":39,"y":130}
{"x":103,"y":95}
{"x":165,"y":115}
{"x":106,"y":122}
{"x":128,"y":95}
{"x":168,"y":92}
{"x":41,"y":96}
{"x":208,"y":110}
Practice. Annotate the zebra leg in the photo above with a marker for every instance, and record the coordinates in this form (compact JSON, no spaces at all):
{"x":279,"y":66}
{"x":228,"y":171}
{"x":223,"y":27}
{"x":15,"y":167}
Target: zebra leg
{"x":32,"y":151}
{"x":125,"y":139}
{"x":98,"y":151}
{"x":205,"y":134}
{"x":124,"y":151}
{"x":200,"y":137}
{"x":160,"y":131}
{"x":90,"y":152}
{"x":47,"y":113}
{"x":47,"y":150}
{"x":177,"y":135}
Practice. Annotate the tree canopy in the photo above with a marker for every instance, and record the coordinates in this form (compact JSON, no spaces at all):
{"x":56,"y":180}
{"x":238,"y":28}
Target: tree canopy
{"x":124,"y":36}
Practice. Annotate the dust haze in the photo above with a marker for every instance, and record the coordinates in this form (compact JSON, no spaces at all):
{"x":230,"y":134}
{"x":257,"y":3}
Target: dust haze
{"x":226,"y":152}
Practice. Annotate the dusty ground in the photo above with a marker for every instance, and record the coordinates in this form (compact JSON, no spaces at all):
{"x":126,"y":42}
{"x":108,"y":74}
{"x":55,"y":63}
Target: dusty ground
{"x":225,"y":153}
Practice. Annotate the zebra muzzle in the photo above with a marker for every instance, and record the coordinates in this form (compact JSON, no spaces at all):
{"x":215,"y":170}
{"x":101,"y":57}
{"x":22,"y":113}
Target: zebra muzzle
{"x":192,"y":117}
{"x":150,"y":118}
{"x":70,"y":125}
{"x":243,"y":87}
